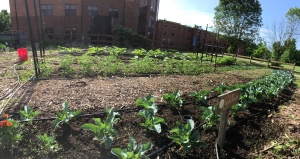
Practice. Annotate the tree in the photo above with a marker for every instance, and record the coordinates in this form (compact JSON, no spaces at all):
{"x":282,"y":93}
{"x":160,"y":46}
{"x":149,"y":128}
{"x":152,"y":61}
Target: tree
{"x":262,"y":51}
{"x":238,"y":21}
{"x":293,"y":16}
{"x":5,"y":23}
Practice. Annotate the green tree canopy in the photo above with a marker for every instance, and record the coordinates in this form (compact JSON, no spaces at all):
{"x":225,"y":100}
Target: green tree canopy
{"x":5,"y":22}
{"x":238,"y":20}
{"x":293,"y":16}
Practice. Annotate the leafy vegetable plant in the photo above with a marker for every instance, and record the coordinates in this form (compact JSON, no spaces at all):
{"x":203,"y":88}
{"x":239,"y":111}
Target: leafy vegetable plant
{"x":148,"y":103}
{"x":133,"y":151}
{"x":28,"y":114}
{"x":209,"y":115}
{"x":201,"y":96}
{"x":49,"y":143}
{"x":185,"y":137}
{"x":66,"y":115}
{"x":173,"y":99}
{"x":221,"y":88}
{"x":152,"y":122}
{"x":10,"y":132}
{"x":104,"y":131}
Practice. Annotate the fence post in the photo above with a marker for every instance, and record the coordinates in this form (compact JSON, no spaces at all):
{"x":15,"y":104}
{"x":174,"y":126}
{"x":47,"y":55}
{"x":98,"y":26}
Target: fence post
{"x":294,"y":68}
{"x":250,"y":59}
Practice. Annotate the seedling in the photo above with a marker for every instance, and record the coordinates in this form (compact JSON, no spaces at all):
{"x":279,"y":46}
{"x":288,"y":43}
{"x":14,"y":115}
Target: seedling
{"x":28,"y":114}
{"x":209,"y":115}
{"x":185,"y":137}
{"x":49,"y":143}
{"x":104,"y":131}
{"x":201,"y":97}
{"x":173,"y":99}
{"x":66,"y":115}
{"x":133,"y":151}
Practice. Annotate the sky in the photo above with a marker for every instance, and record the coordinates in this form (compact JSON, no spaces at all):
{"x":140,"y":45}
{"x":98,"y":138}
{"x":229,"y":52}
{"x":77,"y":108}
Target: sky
{"x":201,"y":12}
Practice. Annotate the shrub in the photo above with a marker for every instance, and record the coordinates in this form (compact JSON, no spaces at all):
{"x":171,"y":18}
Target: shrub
{"x":226,"y":61}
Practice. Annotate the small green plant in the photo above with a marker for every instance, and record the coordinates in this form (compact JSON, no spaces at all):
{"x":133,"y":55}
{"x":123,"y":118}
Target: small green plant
{"x":66,"y":65}
{"x":104,"y":131}
{"x":48,"y":143}
{"x":237,"y":108}
{"x":46,"y":69}
{"x":209,"y":115}
{"x":86,"y":62}
{"x":10,"y":132}
{"x":173,"y":99}
{"x":152,"y":122}
{"x":139,"y":52}
{"x":66,"y":115}
{"x":221,"y":88}
{"x":184,"y":136}
{"x":201,"y":96}
{"x":147,"y":103}
{"x":28,"y":114}
{"x":133,"y":151}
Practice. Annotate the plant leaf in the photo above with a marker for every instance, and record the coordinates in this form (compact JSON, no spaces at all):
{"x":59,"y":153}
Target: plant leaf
{"x":132,"y":144}
{"x":56,"y":122}
{"x":119,"y":153}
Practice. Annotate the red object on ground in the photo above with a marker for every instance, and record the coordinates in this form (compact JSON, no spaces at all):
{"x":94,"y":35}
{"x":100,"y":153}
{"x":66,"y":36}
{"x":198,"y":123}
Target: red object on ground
{"x":23,"y":54}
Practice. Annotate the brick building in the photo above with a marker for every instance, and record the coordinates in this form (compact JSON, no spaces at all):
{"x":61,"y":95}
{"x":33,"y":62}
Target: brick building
{"x":80,"y":16}
{"x":180,"y":37}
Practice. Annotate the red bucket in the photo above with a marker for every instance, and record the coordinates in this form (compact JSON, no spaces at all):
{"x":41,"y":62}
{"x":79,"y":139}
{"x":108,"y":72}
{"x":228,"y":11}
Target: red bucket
{"x":23,"y":54}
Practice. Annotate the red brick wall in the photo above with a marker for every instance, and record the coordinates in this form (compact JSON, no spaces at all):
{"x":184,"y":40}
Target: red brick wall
{"x":58,"y":21}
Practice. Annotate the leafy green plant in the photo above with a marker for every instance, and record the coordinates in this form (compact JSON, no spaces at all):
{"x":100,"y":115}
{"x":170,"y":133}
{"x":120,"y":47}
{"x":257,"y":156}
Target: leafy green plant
{"x":28,"y":114}
{"x":133,"y":151}
{"x":221,"y":88}
{"x":173,"y":99}
{"x":10,"y":133}
{"x":104,"y":131}
{"x":185,"y":136}
{"x":201,"y":96}
{"x":66,"y":65}
{"x":151,"y":121}
{"x":46,"y":69}
{"x":237,"y":108}
{"x":66,"y":115}
{"x":147,"y":103}
{"x":226,"y":61}
{"x":209,"y":115}
{"x":139,"y":52}
{"x":48,"y":143}
{"x":86,"y":62}
{"x":109,"y":65}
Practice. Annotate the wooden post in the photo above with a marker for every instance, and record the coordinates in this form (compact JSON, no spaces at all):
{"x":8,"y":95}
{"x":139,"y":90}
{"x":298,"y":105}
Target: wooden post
{"x":250,"y":58}
{"x":268,"y":63}
{"x":294,"y":68}
{"x":222,"y":128}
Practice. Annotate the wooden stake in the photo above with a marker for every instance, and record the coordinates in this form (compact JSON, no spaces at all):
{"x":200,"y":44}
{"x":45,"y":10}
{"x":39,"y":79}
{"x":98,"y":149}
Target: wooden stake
{"x":222,"y":128}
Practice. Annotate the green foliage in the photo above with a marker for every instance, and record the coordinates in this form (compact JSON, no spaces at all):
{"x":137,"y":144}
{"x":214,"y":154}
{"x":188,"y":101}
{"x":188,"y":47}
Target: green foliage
{"x":66,"y":115}
{"x":151,"y":121}
{"x":5,"y":22}
{"x":87,"y":62}
{"x":209,"y":115}
{"x":201,"y":97}
{"x":291,"y":147}
{"x":68,"y":50}
{"x":109,"y":65}
{"x":104,"y":131}
{"x":237,"y":108}
{"x":144,"y":65}
{"x":139,"y":52}
{"x":46,"y":69}
{"x":66,"y":65}
{"x":184,"y":136}
{"x":95,"y":51}
{"x":48,"y":143}
{"x":173,"y":99}
{"x":133,"y":151}
{"x":226,"y":61}
{"x":221,"y":88}
{"x":147,"y":103}
{"x":238,"y":20}
{"x":262,"y":51}
{"x":28,"y":114}
{"x":10,"y":133}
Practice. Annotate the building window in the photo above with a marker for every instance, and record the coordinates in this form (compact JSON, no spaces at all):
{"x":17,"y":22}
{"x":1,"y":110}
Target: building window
{"x":47,"y":9}
{"x":92,"y":10}
{"x":189,"y":30}
{"x":209,"y":41}
{"x":114,"y":13}
{"x":188,"y":38}
{"x":165,"y":33}
{"x":182,"y":37}
{"x":203,"y":40}
{"x":70,"y":9}
{"x":173,"y":26}
{"x":172,"y":34}
{"x":171,"y":43}
{"x":165,"y":24}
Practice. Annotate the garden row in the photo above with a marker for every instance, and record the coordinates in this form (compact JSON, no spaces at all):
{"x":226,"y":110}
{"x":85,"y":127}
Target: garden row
{"x":183,"y":134}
